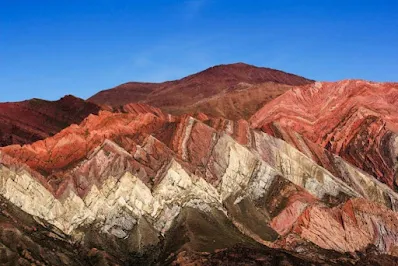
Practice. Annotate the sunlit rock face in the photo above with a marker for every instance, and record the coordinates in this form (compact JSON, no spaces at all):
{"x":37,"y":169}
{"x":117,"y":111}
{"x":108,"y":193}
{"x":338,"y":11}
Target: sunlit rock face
{"x":139,"y":186}
{"x":354,"y":119}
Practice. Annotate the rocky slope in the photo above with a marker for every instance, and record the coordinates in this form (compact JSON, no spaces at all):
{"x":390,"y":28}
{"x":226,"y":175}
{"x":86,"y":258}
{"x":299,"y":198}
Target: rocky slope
{"x":32,"y":120}
{"x":144,"y":187}
{"x":356,"y":120}
{"x":233,"y":91}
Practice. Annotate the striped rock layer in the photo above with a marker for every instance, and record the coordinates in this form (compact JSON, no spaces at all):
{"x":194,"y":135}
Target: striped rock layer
{"x":353,"y":119}
{"x":143,"y":187}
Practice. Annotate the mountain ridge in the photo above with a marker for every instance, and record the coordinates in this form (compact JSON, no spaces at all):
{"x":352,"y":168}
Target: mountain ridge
{"x":31,"y":120}
{"x":161,"y":172}
{"x":260,"y":174}
{"x":194,"y":93}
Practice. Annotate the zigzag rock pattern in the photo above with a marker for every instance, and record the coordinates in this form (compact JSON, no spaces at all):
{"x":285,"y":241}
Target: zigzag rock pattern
{"x":356,"y":120}
{"x":144,"y":187}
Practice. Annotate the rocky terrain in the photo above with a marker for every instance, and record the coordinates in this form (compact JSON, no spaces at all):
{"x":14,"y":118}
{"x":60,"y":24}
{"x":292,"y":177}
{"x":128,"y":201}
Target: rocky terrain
{"x":35,"y":119}
{"x":309,"y":179}
{"x":355,"y":119}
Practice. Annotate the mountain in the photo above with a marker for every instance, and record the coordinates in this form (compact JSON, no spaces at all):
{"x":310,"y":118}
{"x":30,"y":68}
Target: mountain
{"x":32,"y":120}
{"x":144,"y":187}
{"x":233,"y":91}
{"x":235,"y":165}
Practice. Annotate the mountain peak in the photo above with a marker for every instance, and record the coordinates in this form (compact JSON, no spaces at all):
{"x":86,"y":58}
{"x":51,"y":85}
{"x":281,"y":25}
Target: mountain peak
{"x":196,"y":92}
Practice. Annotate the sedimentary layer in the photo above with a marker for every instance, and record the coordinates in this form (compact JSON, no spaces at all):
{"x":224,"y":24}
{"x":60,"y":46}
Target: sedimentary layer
{"x":146,"y":187}
{"x":354,"y":119}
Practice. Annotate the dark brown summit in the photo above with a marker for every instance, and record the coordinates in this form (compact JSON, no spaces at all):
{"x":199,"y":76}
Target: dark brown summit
{"x":223,"y":90}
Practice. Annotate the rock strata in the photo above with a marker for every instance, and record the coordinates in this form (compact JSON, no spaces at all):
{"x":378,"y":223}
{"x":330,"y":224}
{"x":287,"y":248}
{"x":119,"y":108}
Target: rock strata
{"x":140,"y":180}
{"x":354,"y":119}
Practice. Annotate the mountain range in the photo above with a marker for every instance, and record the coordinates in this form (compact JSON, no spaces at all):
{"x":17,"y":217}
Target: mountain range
{"x":234,"y":165}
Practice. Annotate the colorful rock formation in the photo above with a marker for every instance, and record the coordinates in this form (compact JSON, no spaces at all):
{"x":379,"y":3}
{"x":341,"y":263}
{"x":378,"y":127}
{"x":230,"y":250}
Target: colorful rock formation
{"x":356,"y":120}
{"x":309,"y":179}
{"x":145,"y":187}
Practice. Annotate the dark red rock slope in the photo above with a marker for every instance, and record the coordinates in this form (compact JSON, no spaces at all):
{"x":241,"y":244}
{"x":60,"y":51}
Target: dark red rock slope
{"x":233,"y":91}
{"x":32,"y":120}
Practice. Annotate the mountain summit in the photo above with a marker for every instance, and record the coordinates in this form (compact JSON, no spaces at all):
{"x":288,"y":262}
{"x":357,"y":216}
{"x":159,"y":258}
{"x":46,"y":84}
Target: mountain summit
{"x":223,"y":90}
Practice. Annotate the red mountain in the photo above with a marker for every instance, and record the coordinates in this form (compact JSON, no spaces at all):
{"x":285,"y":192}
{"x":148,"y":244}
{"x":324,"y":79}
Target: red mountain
{"x":233,"y":91}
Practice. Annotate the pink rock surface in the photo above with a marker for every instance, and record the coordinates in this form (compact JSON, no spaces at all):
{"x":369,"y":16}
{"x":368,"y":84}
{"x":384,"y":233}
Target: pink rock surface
{"x":354,"y":119}
{"x":346,"y":228}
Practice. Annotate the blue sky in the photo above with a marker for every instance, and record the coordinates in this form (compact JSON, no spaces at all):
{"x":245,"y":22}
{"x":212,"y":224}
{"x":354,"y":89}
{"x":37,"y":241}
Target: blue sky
{"x":51,"y":48}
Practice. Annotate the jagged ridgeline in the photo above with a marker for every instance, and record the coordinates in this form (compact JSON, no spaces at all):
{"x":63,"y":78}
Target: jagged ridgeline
{"x":234,"y":165}
{"x":144,"y":187}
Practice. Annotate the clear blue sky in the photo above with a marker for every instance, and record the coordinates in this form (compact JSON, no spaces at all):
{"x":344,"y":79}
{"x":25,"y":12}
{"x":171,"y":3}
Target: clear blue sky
{"x":49,"y":48}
